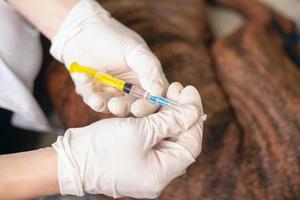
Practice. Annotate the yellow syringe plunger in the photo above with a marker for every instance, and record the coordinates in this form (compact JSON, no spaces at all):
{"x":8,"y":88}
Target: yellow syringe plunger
{"x":100,"y":77}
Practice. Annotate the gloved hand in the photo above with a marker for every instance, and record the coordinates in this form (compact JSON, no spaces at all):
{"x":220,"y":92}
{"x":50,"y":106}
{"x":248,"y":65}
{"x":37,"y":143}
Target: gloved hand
{"x":91,"y":37}
{"x":134,"y":157}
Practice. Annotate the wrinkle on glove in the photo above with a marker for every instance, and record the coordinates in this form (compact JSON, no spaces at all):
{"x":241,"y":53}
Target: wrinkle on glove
{"x":132,"y":157}
{"x":18,"y":69}
{"x":91,"y":37}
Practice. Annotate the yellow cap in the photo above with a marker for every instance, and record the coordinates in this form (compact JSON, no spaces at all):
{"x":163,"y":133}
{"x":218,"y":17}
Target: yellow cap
{"x":75,"y":67}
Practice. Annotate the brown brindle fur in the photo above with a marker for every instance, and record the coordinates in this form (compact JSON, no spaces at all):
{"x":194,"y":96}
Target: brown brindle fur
{"x":262,"y":85}
{"x":232,"y":164}
{"x":263,"y":88}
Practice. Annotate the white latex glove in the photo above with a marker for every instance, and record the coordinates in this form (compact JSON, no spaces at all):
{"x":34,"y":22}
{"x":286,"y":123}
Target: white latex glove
{"x":91,"y":37}
{"x":132,"y":156}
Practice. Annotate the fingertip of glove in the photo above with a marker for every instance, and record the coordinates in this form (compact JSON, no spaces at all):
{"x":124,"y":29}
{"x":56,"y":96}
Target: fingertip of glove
{"x":190,"y":95}
{"x":176,"y":85}
{"x":96,"y":103}
{"x":117,"y":108}
{"x":80,"y":78}
{"x":174,"y":90}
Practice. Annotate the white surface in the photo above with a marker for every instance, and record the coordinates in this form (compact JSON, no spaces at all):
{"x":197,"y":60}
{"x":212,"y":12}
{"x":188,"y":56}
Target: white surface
{"x":288,"y":8}
{"x":224,"y":21}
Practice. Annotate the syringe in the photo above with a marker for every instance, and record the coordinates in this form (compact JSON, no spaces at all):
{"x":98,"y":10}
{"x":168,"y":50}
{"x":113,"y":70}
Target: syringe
{"x":124,"y":86}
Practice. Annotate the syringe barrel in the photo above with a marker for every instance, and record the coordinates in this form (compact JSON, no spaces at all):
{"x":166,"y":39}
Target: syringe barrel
{"x":135,"y":91}
{"x":109,"y":81}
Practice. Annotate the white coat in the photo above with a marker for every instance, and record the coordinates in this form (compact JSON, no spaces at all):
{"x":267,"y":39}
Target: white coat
{"x":20,"y":61}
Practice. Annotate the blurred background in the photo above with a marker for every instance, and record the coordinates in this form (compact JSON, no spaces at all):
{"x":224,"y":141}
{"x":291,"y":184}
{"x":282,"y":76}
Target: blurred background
{"x":222,"y":22}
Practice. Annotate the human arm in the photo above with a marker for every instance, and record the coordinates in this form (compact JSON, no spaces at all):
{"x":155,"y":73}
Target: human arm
{"x":46,"y":15}
{"x":29,"y":174}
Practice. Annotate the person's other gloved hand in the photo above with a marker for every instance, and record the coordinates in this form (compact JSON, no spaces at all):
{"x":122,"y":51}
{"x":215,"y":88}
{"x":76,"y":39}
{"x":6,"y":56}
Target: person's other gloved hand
{"x":91,"y":37}
{"x":134,"y":157}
